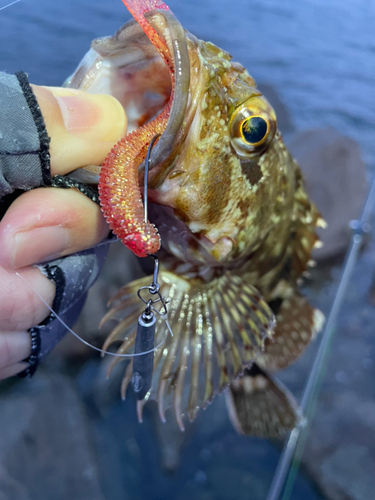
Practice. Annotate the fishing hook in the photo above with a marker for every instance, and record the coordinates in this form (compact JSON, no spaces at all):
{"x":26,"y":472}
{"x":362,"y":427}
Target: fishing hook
{"x":145,"y":337}
{"x":145,"y":182}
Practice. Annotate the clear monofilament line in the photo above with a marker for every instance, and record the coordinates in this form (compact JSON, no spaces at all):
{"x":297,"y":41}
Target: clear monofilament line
{"x":80,"y":338}
{"x":9,"y":4}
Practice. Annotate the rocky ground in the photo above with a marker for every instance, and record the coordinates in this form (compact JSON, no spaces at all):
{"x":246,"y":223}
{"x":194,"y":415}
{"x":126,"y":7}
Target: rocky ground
{"x":66,"y":433}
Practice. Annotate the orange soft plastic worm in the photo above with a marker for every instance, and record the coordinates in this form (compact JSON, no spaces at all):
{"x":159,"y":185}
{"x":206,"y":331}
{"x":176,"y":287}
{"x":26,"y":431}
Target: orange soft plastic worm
{"x":119,"y":191}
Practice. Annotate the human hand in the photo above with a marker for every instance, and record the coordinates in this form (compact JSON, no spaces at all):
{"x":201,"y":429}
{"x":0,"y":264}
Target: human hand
{"x":46,"y":223}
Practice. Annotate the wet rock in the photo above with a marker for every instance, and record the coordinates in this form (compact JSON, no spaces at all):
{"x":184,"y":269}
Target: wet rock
{"x":340,"y":448}
{"x":45,"y":445}
{"x":284,"y":120}
{"x":341,"y":455}
{"x":353,"y":476}
{"x":336,"y":181}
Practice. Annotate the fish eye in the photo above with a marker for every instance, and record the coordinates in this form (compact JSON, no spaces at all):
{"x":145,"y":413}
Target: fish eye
{"x":252,"y":126}
{"x":254,"y":130}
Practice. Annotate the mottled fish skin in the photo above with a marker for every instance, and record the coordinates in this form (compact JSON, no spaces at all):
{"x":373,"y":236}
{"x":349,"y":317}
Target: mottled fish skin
{"x":260,"y":406}
{"x":210,"y":187}
{"x":297,"y":324}
{"x":257,"y":403}
{"x":237,"y":231}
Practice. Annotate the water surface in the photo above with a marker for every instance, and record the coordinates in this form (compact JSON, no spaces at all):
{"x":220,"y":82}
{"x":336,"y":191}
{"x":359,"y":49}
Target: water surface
{"x":319,"y":54}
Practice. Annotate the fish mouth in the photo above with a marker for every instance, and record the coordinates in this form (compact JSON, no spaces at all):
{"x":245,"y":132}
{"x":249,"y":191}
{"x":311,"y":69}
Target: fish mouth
{"x":146,"y":67}
{"x":162,"y":61}
{"x":179,"y":67}
{"x":178,"y":239}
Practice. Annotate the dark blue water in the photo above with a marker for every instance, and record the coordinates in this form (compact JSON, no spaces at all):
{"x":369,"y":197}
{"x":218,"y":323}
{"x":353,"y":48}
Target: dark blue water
{"x":319,"y":54}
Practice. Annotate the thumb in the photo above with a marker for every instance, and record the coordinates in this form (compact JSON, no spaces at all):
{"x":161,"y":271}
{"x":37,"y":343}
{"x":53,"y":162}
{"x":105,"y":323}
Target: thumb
{"x":83,"y":127}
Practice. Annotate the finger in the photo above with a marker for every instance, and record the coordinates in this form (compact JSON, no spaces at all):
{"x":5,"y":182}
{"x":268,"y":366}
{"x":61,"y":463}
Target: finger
{"x":14,"y":347}
{"x":47,"y":223}
{"x":10,"y":371}
{"x":83,"y":127}
{"x":20,"y":307}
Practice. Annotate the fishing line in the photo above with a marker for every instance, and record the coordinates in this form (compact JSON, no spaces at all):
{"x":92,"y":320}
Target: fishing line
{"x":83,"y":340}
{"x":287,"y":468}
{"x":9,"y":4}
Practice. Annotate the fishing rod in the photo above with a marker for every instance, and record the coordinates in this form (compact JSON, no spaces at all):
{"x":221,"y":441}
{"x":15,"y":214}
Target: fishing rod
{"x":288,"y":465}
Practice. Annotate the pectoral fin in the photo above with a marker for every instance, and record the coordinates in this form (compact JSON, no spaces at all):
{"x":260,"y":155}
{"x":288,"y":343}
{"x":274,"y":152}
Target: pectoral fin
{"x":218,"y":328}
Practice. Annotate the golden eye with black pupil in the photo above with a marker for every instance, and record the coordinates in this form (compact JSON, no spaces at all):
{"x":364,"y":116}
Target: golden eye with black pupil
{"x":252,"y":127}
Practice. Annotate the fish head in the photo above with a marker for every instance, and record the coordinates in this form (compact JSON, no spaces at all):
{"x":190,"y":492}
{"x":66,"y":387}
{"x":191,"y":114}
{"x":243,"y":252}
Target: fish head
{"x":230,"y":179}
{"x":220,"y":176}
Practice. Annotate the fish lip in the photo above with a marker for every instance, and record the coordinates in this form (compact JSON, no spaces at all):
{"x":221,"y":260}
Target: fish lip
{"x":180,"y":94}
{"x":108,"y":48}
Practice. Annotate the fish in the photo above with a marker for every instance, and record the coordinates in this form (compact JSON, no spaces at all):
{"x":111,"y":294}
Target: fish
{"x":228,"y":216}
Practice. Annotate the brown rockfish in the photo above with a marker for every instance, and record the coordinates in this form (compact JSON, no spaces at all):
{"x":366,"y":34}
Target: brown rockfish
{"x":235,"y":224}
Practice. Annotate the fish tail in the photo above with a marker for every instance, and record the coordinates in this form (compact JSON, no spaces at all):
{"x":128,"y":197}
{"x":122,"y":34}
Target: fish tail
{"x":258,"y":405}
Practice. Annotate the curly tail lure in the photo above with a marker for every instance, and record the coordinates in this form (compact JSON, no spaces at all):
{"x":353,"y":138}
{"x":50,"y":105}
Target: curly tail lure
{"x":119,"y":191}
{"x":121,"y":203}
